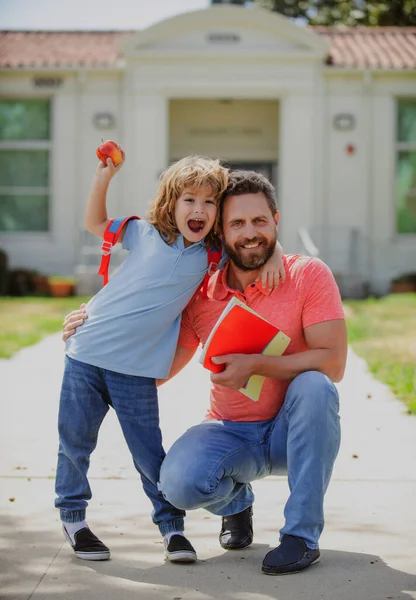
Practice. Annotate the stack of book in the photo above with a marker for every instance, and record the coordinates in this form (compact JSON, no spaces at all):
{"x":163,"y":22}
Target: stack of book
{"x":241,"y":330}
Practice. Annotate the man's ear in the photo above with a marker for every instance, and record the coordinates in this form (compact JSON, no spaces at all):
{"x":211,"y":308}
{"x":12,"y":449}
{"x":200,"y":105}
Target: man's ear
{"x":277,"y":218}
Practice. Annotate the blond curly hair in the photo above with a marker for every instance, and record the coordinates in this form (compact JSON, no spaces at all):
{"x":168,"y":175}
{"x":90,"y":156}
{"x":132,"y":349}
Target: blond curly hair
{"x":191,"y":172}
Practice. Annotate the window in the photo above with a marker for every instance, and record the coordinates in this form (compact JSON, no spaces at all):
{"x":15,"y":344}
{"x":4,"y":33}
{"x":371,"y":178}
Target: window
{"x":406,"y":167}
{"x":24,"y":164}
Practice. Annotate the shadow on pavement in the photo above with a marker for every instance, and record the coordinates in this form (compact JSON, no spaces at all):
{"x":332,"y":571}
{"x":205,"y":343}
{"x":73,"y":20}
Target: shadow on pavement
{"x":40,"y":567}
{"x":339,"y":575}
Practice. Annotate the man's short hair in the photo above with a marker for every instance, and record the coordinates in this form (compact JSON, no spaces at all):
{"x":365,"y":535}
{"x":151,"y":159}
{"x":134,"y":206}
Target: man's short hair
{"x":250,"y":182}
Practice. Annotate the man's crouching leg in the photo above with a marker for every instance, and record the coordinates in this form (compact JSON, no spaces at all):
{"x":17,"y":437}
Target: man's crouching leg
{"x":196,"y":471}
{"x":210,"y":466}
{"x":309,"y":426}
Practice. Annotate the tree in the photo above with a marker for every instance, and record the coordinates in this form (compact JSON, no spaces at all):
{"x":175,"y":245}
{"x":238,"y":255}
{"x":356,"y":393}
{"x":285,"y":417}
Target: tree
{"x":238,"y":2}
{"x":346,"y":12}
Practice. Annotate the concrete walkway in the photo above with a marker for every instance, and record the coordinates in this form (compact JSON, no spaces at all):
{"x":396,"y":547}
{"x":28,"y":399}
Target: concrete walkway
{"x":368,"y":546}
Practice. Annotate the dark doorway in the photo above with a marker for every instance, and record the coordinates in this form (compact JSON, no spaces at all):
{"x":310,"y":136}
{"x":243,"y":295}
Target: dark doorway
{"x":269,"y":170}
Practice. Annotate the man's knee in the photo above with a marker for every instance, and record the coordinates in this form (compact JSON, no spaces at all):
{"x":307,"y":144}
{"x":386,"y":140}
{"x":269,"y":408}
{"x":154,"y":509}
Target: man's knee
{"x":179,"y":484}
{"x":315,"y":391}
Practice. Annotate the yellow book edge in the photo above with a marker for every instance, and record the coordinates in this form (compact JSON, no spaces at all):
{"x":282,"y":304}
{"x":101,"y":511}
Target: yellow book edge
{"x":275,"y":348}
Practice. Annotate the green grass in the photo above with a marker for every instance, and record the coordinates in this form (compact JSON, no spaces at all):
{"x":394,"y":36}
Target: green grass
{"x":383,"y":332}
{"x":25,"y":321}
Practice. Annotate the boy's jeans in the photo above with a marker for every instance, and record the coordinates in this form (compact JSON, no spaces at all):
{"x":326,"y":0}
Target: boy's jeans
{"x":87,"y":392}
{"x":212,"y":464}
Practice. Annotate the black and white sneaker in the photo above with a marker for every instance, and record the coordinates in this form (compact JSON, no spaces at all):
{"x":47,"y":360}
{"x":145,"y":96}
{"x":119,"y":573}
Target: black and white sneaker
{"x":87,"y":546}
{"x":180,"y":549}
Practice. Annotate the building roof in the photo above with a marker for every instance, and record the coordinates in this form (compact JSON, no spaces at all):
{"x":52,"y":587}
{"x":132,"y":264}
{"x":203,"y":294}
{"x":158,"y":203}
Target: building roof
{"x":353,"y":47}
{"x":60,"y":49}
{"x":371,"y":47}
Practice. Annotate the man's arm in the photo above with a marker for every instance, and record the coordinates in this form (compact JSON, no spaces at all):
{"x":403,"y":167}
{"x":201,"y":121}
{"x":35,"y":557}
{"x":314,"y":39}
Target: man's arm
{"x":181,"y":359}
{"x":327,"y":353}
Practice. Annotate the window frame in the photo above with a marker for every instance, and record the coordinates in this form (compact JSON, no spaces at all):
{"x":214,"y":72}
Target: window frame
{"x":401,"y":147}
{"x":31,"y":145}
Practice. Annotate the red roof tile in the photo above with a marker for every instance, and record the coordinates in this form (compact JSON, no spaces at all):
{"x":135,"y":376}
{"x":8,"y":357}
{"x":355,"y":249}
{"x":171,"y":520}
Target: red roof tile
{"x":371,"y":47}
{"x":22,"y":49}
{"x":354,"y":47}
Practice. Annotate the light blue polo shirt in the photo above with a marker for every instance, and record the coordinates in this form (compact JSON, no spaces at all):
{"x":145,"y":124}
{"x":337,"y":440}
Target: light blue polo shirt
{"x":133,"y":322}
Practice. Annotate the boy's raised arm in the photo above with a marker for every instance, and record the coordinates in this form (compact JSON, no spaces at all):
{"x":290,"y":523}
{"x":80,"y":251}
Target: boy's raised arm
{"x":96,"y":219}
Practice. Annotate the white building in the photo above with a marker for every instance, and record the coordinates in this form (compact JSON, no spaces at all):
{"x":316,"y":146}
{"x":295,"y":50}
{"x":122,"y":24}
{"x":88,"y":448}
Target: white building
{"x":328,"y":114}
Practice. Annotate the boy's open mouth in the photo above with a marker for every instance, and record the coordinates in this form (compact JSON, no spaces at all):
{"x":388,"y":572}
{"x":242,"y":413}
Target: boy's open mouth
{"x":196,"y":225}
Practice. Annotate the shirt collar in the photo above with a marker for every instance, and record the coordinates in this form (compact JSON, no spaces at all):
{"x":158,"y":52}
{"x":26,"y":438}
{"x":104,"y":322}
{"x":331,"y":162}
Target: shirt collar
{"x":180,"y":243}
{"x":219,"y":289}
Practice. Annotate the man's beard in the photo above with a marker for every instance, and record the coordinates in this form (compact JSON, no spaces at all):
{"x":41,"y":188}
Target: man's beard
{"x":247,"y":260}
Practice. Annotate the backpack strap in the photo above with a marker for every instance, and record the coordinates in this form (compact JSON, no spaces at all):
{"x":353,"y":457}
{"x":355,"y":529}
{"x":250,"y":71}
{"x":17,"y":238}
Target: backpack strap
{"x":214,"y":257}
{"x":111,"y":235}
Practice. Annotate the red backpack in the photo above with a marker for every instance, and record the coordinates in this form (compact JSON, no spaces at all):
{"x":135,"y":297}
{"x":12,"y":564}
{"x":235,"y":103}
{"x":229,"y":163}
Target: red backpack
{"x":111,"y":235}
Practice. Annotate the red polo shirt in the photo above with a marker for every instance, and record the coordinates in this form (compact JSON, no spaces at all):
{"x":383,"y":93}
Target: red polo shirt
{"x":309,"y":295}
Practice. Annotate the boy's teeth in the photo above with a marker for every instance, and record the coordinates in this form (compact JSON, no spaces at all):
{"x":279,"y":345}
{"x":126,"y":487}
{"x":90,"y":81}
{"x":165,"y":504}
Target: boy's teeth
{"x":196,"y":225}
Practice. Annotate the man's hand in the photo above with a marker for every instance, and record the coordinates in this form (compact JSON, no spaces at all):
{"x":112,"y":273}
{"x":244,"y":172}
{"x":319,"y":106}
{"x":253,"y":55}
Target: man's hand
{"x":73,"y":320}
{"x":238,"y":368}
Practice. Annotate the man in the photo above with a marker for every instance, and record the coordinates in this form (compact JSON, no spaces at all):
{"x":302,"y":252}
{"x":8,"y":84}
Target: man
{"x":295,"y":423}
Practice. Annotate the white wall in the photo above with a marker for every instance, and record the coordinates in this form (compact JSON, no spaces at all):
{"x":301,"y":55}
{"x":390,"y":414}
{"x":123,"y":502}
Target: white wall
{"x":52,"y":251}
{"x":297,"y":171}
{"x":73,"y":161}
{"x":359,"y":188}
{"x":345,"y":204}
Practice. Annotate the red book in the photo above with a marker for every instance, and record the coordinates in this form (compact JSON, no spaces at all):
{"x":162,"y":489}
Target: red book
{"x":239,"y":330}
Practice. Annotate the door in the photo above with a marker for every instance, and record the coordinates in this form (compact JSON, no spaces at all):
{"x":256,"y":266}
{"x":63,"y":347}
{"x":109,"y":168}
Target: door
{"x":269,"y":170}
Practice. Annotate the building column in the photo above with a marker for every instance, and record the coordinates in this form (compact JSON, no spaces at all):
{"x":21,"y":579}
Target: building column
{"x":147,"y":139}
{"x":296,"y":168}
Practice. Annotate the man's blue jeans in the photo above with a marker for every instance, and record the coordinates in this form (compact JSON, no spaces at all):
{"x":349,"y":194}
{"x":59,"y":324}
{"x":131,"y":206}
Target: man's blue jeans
{"x":212,"y":464}
{"x":87,"y":392}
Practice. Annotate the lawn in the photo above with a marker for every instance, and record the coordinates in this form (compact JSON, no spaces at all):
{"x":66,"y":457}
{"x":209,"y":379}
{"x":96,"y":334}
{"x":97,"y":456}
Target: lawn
{"x":25,"y":321}
{"x":383,"y":332}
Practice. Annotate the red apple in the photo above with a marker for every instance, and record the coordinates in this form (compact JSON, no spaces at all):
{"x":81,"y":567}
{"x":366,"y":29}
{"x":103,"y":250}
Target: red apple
{"x":110,"y":149}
